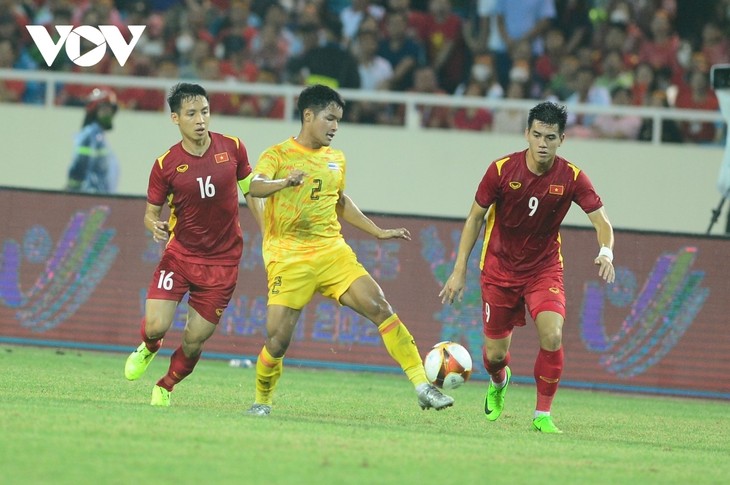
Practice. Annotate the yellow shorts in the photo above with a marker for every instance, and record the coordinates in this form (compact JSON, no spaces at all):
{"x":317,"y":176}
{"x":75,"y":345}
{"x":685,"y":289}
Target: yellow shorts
{"x":330,"y":272}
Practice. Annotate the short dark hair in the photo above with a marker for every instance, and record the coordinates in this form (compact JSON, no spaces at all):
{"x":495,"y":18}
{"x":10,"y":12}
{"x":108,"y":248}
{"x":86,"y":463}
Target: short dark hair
{"x":317,"y":97}
{"x":182,"y":91}
{"x":549,"y":113}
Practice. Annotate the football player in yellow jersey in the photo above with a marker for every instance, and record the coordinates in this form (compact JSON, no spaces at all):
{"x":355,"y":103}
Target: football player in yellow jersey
{"x":304,"y":251}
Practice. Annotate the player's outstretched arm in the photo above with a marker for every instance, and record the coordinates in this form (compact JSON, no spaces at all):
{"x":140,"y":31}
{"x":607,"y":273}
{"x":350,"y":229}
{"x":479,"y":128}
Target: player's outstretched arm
{"x":262,"y":186}
{"x":454,"y":286}
{"x":604,"y":233}
{"x":351,"y":213}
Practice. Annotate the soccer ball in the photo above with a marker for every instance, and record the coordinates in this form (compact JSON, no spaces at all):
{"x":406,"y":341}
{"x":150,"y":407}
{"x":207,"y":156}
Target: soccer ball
{"x":448,"y":365}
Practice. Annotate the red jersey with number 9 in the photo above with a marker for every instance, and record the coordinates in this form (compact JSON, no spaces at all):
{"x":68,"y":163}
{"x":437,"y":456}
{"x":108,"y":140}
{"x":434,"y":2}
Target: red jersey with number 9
{"x":522,"y":231}
{"x":202,"y":193}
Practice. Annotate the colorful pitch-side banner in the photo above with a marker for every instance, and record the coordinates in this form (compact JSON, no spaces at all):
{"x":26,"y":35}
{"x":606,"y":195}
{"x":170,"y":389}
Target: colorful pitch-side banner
{"x":74,"y":270}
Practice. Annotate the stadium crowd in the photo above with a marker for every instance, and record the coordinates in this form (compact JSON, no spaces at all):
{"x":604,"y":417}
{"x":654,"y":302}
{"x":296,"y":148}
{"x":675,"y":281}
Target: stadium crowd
{"x":603,"y":52}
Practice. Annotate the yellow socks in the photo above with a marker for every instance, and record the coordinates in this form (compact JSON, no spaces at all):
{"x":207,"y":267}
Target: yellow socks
{"x":268,"y":371}
{"x":401,"y":346}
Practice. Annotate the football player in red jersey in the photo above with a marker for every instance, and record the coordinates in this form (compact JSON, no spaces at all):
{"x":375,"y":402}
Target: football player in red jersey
{"x":199,"y":179}
{"x":524,"y":198}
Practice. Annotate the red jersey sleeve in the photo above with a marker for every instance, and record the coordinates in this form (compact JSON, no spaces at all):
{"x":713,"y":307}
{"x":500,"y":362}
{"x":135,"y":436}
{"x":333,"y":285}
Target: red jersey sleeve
{"x":585,"y":194}
{"x":158,"y":186}
{"x":244,"y":167}
{"x":489,"y":189}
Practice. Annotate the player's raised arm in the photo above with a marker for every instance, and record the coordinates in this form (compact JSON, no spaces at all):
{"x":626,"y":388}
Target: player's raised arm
{"x":604,"y":233}
{"x":350,"y":212}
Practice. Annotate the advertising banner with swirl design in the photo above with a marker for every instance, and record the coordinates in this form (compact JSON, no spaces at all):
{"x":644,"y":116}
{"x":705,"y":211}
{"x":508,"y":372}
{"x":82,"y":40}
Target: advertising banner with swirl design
{"x":74,"y":271}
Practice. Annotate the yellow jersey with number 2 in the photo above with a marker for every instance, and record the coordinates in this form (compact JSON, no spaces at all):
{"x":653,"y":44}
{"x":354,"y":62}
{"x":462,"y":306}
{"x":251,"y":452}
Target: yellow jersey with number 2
{"x":302,"y":220}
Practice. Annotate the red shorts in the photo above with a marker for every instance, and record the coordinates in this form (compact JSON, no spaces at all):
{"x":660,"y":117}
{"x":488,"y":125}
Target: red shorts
{"x":504,"y":307}
{"x":210,"y":287}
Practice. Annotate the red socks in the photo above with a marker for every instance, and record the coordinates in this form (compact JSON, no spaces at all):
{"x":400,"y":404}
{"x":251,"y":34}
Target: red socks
{"x":180,"y":367}
{"x":152,"y":344}
{"x":496,"y":370}
{"x":548,"y":369}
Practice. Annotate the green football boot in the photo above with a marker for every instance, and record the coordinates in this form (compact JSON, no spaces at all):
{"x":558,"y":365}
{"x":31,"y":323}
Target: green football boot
{"x":545,"y":424}
{"x":137,"y":362}
{"x":494,"y":400}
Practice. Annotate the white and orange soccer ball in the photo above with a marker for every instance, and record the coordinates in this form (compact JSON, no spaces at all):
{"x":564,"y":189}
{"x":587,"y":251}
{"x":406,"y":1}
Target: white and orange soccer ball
{"x":448,"y":365}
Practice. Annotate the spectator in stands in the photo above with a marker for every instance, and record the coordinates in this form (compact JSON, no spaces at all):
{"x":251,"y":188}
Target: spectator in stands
{"x":624,"y":127}
{"x":375,"y":74}
{"x":715,"y":44}
{"x":615,"y":38}
{"x":586,"y":92}
{"x":353,"y":14}
{"x":276,"y":15}
{"x":482,"y":74}
{"x":416,"y":19}
{"x":104,"y":10}
{"x":95,"y":168}
{"x":152,"y":40}
{"x":521,"y":70}
{"x":403,"y":53}
{"x":11,"y":90}
{"x":223,"y":102}
{"x":327,"y":64}
{"x":660,"y":50}
{"x":444,"y":43}
{"x":264,"y":106}
{"x":573,"y":20}
{"x":644,"y":84}
{"x":237,"y":63}
{"x":489,"y":33}
{"x":472,"y":118}
{"x":426,"y":81}
{"x":670,"y":131}
{"x":136,"y":97}
{"x":375,"y":71}
{"x":561,"y":85}
{"x":512,"y":120}
{"x":613,"y":72}
{"x":523,"y":20}
{"x":275,"y":44}
{"x":190,"y":60}
{"x":269,"y":49}
{"x":696,"y":94}
{"x":239,"y":21}
{"x":548,"y":63}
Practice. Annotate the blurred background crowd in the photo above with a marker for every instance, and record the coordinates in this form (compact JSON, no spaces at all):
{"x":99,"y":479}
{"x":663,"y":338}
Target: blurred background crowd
{"x":654,"y":53}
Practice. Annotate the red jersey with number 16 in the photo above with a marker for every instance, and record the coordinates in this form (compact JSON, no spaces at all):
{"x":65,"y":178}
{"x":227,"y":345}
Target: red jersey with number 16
{"x":202,"y":193}
{"x":522,"y":231}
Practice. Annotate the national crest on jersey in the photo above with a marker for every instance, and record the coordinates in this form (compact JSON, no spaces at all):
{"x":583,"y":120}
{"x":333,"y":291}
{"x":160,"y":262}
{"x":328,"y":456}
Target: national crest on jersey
{"x":303,"y":218}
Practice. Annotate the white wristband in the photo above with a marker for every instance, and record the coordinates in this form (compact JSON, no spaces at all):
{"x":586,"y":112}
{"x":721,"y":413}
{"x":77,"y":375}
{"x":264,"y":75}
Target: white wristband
{"x":606,"y":251}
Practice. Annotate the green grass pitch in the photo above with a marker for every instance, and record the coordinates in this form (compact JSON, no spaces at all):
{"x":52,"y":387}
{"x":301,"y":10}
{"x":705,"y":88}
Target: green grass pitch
{"x":69,"y":416}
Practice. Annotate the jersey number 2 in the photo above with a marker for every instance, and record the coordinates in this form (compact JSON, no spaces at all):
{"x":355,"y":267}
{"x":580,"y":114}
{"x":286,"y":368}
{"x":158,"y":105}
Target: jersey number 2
{"x":317,"y":188}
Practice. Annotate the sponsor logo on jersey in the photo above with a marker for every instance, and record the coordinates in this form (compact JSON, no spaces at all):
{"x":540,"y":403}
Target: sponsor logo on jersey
{"x":221,"y":157}
{"x":552,"y":289}
{"x":219,"y":311}
{"x":557,"y":189}
{"x":333,"y":166}
{"x":183,"y":168}
{"x":515,"y":185}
